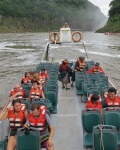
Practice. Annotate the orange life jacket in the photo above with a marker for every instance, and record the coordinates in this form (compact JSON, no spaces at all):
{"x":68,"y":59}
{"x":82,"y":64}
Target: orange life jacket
{"x":91,"y":105}
{"x":25,"y":80}
{"x":36,"y":94}
{"x":81,"y":65}
{"x":109,"y":102}
{"x":43,"y":76}
{"x":17,"y":121}
{"x":40,"y":122}
{"x":13,"y":92}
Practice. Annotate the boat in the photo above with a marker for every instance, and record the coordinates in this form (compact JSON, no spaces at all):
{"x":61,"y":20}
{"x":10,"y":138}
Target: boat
{"x":65,"y":106}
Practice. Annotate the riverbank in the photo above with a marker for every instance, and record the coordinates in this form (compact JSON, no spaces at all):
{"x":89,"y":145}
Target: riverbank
{"x":111,"y":27}
{"x":22,"y":25}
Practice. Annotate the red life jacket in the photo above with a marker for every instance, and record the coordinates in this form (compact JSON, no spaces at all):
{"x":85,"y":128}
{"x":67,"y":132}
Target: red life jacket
{"x":36,"y":94}
{"x":109,"y":102}
{"x":17,"y":121}
{"x":64,"y":66}
{"x":97,"y":105}
{"x":13,"y":92}
{"x":40,"y":122}
{"x":43,"y":76}
{"x":99,"y":70}
{"x":25,"y":80}
{"x":81,"y":65}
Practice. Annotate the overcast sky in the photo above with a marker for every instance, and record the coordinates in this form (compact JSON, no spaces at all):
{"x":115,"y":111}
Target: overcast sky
{"x":102,"y":4}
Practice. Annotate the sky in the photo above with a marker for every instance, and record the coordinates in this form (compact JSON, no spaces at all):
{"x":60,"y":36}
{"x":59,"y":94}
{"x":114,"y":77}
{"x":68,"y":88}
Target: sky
{"x":103,"y":5}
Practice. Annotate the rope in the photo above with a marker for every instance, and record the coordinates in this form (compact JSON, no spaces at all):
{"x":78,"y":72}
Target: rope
{"x":101,"y":138}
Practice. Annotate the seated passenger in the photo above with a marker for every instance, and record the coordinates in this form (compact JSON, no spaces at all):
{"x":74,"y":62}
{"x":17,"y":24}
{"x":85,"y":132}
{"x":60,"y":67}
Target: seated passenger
{"x":36,"y":91}
{"x":96,"y":69}
{"x":94,"y":101}
{"x":111,"y":99}
{"x":26,"y":79}
{"x":65,"y":70}
{"x":18,"y":91}
{"x":65,"y":26}
{"x":15,"y":113}
{"x":43,"y":75}
{"x":40,"y":119}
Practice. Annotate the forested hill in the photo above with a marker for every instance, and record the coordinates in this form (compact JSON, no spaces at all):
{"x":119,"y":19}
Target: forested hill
{"x":113,"y":24}
{"x":44,"y":15}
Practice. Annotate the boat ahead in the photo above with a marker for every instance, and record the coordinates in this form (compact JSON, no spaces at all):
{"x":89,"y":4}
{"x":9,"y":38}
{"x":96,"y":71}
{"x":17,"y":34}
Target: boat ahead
{"x":75,"y":127}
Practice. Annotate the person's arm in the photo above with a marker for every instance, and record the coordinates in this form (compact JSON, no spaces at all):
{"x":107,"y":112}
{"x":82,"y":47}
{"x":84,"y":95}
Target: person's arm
{"x":52,"y":130}
{"x":4,"y":114}
{"x":13,"y":96}
{"x":43,"y":96}
{"x":90,"y":71}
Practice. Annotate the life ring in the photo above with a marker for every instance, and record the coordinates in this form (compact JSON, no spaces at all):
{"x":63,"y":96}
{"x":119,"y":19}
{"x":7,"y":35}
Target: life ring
{"x":54,"y":37}
{"x":75,"y":39}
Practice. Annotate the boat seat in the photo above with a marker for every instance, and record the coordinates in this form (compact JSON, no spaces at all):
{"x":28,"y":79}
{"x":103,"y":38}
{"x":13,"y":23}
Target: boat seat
{"x":89,"y":120}
{"x":79,"y":83}
{"x":112,"y":117}
{"x":108,"y":132}
{"x":100,"y":85}
{"x":3,"y":144}
{"x":26,"y":87}
{"x":31,"y":141}
{"x":93,"y":90}
{"x":85,"y":86}
{"x":52,"y":97}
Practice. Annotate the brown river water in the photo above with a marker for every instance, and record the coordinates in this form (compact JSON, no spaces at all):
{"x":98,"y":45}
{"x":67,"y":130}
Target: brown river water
{"x":21,"y":52}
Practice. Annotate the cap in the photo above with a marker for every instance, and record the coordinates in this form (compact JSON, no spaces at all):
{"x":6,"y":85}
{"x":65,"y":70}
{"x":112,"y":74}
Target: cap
{"x":97,"y":64}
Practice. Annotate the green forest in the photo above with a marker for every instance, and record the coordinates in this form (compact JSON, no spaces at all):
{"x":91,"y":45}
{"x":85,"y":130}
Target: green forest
{"x":45,"y":15}
{"x":113,"y":24}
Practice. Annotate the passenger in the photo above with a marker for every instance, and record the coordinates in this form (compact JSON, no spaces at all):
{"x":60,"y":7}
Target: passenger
{"x":41,"y":120}
{"x":33,"y":76}
{"x":64,"y":70}
{"x":96,"y":69}
{"x":36,"y":91}
{"x":94,"y":101}
{"x":18,"y":91}
{"x":16,"y":116}
{"x":26,"y":79}
{"x":78,"y":66}
{"x":43,"y":76}
{"x":111,"y":99}
{"x":65,"y":26}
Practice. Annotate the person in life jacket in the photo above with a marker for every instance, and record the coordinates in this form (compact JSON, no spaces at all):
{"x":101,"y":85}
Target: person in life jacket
{"x":43,"y":76}
{"x":18,"y":91}
{"x":65,"y":71}
{"x":78,"y":66}
{"x":96,"y":69}
{"x":16,"y":115}
{"x":26,"y":79}
{"x":110,"y":97}
{"x":94,"y":101}
{"x":36,"y":91}
{"x":38,"y":118}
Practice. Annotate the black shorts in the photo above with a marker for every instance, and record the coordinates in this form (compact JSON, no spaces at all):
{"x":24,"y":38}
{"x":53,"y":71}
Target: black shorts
{"x":13,"y":132}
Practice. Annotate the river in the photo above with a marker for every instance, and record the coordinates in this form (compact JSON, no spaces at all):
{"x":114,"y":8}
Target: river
{"x":21,"y":52}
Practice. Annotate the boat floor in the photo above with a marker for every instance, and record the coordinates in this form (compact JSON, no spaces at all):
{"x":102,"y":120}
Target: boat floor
{"x":67,"y":122}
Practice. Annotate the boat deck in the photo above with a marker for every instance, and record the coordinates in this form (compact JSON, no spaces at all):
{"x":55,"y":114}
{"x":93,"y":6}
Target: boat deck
{"x":67,"y":122}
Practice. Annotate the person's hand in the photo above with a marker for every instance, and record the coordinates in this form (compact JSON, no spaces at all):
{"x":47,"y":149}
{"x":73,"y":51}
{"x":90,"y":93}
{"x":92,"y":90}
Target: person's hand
{"x":25,"y":126}
{"x":50,"y":143}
